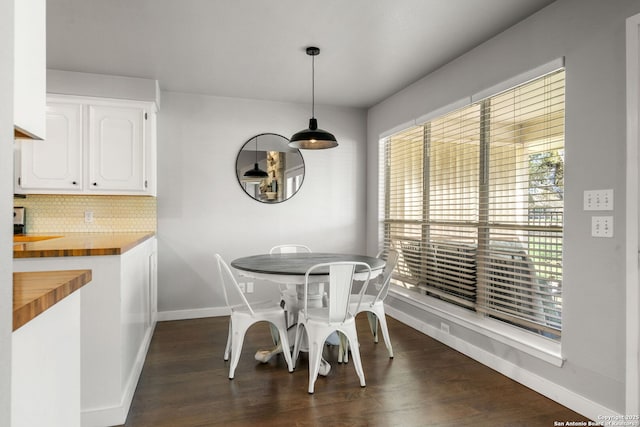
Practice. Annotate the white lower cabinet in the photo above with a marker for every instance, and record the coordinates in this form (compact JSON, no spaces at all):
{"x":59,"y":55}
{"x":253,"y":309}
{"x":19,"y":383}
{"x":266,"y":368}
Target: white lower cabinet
{"x":45,"y":386}
{"x":93,"y":146}
{"x":118,"y":313}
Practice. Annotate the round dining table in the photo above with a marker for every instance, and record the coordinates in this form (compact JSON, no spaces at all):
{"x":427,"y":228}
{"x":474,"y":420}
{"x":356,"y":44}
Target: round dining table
{"x":291,"y":268}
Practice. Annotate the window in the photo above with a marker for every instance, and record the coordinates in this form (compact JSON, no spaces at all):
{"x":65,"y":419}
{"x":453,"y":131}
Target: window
{"x":473,"y":201}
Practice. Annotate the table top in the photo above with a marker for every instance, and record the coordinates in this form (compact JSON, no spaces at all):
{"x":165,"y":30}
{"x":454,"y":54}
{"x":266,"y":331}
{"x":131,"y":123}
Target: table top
{"x":297,"y":264}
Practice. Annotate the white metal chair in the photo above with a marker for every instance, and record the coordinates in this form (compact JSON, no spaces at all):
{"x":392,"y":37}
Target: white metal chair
{"x":320,"y":322}
{"x":288,"y":293}
{"x":373,"y":304}
{"x":244,"y":315}
{"x":289,"y":249}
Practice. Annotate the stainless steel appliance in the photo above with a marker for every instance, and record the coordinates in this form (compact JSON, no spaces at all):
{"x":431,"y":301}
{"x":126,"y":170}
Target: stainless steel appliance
{"x":19,"y":220}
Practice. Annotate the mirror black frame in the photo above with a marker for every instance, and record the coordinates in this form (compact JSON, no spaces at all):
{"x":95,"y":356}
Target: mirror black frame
{"x":272,"y":163}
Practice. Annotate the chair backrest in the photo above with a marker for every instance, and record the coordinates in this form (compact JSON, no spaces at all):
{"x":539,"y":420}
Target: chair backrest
{"x":340,"y":283}
{"x":289,"y":249}
{"x":233,"y":296}
{"x":385,"y":280}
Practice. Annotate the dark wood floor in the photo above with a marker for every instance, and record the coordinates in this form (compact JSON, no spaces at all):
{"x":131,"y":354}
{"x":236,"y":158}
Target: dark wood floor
{"x":184,"y":383}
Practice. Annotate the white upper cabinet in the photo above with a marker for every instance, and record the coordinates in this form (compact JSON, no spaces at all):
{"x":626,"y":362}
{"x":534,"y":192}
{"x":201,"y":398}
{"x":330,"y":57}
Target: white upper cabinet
{"x":116,"y":148}
{"x":57,"y":163}
{"x":93,"y":146}
{"x":30,"y":78}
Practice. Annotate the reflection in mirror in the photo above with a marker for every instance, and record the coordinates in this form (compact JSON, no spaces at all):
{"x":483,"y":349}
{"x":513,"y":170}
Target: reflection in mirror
{"x":284,"y":167}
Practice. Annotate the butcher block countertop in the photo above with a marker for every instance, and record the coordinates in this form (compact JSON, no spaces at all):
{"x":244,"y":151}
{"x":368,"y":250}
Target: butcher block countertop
{"x":76,"y":244}
{"x":35,"y":292}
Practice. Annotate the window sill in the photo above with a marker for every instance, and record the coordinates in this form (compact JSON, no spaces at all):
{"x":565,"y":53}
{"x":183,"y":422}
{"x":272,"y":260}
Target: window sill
{"x":540,"y":347}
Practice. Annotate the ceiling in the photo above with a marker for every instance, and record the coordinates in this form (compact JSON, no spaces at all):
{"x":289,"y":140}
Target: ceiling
{"x":370,"y":49}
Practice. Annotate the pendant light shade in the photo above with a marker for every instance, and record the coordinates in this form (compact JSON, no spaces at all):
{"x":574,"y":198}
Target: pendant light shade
{"x":313,"y":138}
{"x":256,"y":174}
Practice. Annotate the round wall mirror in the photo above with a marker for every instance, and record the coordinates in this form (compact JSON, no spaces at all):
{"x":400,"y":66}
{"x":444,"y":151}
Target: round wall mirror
{"x":268,"y":170}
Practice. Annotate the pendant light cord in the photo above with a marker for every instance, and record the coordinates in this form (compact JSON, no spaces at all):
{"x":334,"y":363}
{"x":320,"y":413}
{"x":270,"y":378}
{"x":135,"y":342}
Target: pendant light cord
{"x":313,"y":86}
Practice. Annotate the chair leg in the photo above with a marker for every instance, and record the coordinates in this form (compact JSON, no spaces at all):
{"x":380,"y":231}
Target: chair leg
{"x":289,"y":303}
{"x":355,"y":355}
{"x":286,"y":350}
{"x":296,"y":344}
{"x":385,"y":333}
{"x":315,"y":355}
{"x":373,"y":325}
{"x":236,"y":348}
{"x":275,"y":334}
{"x":343,"y":351}
{"x":228,"y":347}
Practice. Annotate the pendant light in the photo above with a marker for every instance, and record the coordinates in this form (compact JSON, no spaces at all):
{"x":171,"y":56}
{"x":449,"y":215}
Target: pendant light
{"x":313,"y":138}
{"x":256,"y":174}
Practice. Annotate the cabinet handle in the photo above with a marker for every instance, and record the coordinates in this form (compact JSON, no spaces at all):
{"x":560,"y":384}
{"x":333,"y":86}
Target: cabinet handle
{"x":74,"y":183}
{"x":95,"y":184}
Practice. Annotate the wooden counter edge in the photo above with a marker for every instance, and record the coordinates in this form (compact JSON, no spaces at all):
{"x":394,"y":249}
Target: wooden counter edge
{"x":116,"y":250}
{"x":135,"y":243}
{"x":48,"y":288}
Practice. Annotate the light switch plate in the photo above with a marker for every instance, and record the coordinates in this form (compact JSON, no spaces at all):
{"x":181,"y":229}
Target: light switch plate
{"x":598,"y":200}
{"x":602,"y":226}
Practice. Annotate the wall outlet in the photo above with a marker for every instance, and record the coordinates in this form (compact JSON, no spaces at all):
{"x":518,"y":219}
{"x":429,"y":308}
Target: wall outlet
{"x":88,"y":216}
{"x":444,"y":328}
{"x":249,"y":287}
{"x":243,"y":287}
{"x":598,"y":200}
{"x":602,"y":226}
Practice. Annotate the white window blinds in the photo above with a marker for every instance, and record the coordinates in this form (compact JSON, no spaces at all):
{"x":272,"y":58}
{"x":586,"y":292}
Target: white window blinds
{"x":473,"y":200}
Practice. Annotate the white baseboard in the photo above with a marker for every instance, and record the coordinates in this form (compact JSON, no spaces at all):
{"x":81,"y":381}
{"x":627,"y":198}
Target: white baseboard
{"x":544,"y":386}
{"x":196,"y":313}
{"x":117,"y":415}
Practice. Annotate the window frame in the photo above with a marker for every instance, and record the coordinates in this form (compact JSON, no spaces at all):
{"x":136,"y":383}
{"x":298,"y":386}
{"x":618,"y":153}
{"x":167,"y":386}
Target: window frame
{"x":539,"y":346}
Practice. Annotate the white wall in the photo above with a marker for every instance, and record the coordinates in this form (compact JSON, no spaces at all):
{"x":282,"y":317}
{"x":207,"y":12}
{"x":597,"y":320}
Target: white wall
{"x":590,"y":34}
{"x":6,"y":203}
{"x":203,"y":210}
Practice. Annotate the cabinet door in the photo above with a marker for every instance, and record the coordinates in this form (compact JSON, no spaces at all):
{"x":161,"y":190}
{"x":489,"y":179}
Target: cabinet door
{"x":30,"y":59}
{"x":116,"y":149}
{"x":56,"y":163}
